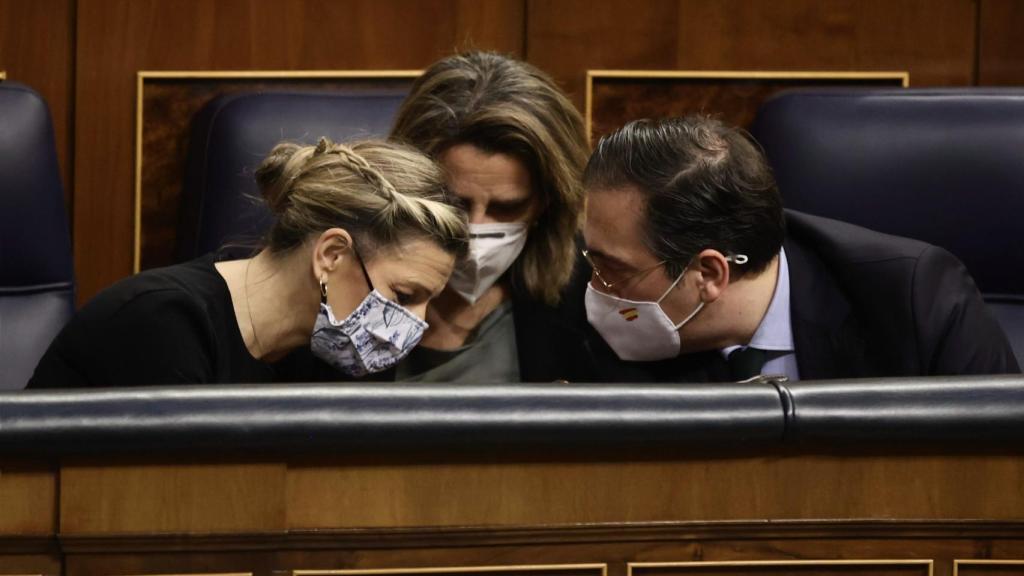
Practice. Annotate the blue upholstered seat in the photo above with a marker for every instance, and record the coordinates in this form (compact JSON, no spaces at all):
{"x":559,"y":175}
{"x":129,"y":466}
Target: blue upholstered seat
{"x":941,"y":165}
{"x":36,"y":273}
{"x":233,"y":133}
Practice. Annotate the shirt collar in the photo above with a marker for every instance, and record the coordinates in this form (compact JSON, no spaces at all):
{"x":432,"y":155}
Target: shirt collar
{"x":775,"y":333}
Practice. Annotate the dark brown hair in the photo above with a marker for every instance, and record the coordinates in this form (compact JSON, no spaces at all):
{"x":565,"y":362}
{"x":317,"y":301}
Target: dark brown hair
{"x":707,"y":185}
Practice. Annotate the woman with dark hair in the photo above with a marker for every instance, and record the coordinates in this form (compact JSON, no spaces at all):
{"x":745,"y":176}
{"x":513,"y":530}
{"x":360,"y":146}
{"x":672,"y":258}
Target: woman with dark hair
{"x":513,"y":147}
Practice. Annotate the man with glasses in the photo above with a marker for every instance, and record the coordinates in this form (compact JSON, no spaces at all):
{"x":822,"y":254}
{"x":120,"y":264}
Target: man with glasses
{"x":699,"y":274}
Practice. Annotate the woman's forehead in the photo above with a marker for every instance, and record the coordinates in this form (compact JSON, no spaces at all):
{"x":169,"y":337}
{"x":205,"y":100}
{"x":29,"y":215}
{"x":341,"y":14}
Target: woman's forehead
{"x":420,"y":258}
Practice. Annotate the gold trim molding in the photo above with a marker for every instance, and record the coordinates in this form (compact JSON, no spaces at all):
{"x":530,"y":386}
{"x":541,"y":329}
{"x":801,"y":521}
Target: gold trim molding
{"x":631,"y":566}
{"x":456,"y":570}
{"x":140,"y":84}
{"x":958,"y":563}
{"x":203,"y":574}
{"x":903,"y":77}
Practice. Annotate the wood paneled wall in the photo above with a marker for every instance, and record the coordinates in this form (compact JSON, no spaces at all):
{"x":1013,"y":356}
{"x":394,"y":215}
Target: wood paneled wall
{"x":82,"y":55}
{"x":932,"y":39}
{"x":117,"y":38}
{"x":1000,"y":50}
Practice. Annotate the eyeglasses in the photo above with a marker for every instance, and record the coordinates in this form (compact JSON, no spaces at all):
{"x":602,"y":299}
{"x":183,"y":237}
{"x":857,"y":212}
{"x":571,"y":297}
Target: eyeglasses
{"x":609,"y":284}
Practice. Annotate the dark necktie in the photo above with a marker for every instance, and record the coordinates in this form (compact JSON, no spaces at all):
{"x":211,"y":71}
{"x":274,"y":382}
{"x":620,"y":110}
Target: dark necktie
{"x":746,"y":363}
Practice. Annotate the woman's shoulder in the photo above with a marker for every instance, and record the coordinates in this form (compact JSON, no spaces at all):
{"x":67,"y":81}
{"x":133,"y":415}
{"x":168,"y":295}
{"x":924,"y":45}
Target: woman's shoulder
{"x":193,"y":286}
{"x":184,"y":299}
{"x":155,"y":327}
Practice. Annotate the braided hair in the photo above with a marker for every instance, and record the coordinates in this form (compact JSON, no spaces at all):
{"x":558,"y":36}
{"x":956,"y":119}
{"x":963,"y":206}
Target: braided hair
{"x":380,"y":192}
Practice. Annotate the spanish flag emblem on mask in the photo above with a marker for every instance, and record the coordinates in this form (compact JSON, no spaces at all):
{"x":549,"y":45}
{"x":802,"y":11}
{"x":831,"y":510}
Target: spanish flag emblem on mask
{"x":629,"y":314}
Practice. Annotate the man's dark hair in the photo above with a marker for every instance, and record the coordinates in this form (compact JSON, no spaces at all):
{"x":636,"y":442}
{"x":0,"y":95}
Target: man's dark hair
{"x":707,"y":185}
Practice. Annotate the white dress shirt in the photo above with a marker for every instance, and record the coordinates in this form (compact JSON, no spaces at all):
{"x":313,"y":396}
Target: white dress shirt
{"x":775,"y":333}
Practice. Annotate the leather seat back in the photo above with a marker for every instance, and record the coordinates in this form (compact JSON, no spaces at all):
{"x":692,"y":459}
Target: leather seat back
{"x":941,"y":165}
{"x":36,"y":272}
{"x":231,"y":136}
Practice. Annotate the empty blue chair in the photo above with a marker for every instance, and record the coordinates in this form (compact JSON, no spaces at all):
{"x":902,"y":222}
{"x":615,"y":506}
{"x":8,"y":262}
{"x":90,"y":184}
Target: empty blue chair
{"x":232,"y":135}
{"x":36,"y":273}
{"x":941,"y":165}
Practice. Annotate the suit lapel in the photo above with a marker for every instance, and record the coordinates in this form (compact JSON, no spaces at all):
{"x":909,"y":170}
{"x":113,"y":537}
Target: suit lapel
{"x":825,"y":332}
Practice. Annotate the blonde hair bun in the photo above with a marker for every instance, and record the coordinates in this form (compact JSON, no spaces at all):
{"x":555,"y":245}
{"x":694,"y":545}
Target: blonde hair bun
{"x":381,"y":192}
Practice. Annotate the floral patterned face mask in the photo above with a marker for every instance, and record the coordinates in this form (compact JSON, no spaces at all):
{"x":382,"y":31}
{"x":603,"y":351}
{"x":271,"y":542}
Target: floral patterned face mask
{"x":373,"y":338}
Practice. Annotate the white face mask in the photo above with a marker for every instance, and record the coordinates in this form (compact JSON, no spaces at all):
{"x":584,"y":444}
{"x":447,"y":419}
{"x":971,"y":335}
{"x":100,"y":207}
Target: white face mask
{"x":493,"y":248}
{"x":639,"y":330}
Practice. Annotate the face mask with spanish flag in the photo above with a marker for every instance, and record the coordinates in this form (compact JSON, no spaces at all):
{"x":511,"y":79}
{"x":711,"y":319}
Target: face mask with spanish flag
{"x":639,"y":330}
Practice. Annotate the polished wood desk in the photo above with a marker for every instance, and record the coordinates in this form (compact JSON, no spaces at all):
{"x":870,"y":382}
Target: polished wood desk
{"x":643,"y":513}
{"x":912,"y":477}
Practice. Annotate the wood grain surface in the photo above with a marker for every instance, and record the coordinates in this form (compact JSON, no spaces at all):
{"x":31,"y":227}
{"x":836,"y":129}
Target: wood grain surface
{"x":118,"y":38}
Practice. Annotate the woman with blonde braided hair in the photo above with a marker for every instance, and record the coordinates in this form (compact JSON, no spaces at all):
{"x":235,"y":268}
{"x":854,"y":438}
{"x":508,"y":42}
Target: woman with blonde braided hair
{"x":365,"y":235}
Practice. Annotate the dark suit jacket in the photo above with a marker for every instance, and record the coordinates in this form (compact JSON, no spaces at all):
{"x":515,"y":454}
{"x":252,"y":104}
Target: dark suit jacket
{"x":551,"y":341}
{"x":862,"y":304}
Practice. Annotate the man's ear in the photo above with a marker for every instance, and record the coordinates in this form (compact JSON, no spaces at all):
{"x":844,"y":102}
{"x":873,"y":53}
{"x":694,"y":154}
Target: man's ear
{"x":330,"y":250}
{"x":713,"y":274}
